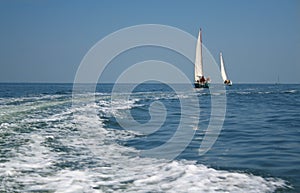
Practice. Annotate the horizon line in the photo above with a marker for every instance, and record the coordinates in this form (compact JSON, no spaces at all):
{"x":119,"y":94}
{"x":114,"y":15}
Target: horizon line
{"x":35,"y":82}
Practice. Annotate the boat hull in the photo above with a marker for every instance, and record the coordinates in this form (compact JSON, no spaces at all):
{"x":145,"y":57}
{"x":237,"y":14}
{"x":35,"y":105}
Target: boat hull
{"x":228,"y":82}
{"x":198,"y":85}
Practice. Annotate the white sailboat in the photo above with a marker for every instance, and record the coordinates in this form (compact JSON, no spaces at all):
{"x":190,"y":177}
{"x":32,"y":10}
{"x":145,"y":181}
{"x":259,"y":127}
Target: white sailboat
{"x":223,"y":72}
{"x":200,"y":81}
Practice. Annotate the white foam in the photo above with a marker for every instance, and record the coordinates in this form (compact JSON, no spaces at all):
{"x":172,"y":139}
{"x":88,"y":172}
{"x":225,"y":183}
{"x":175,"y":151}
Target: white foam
{"x":6,"y":125}
{"x":115,"y":107}
{"x":243,"y":92}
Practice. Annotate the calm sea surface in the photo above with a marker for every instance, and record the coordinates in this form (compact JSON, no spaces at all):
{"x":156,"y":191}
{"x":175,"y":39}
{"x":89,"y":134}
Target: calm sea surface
{"x":49,"y":145}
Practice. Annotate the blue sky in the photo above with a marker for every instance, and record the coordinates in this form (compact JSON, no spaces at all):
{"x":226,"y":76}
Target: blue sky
{"x":45,"y":41}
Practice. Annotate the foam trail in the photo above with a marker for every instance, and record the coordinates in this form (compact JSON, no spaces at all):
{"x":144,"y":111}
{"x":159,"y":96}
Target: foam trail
{"x":59,"y":154}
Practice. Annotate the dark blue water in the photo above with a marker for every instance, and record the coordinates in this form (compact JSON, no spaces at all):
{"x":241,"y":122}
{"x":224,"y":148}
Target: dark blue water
{"x":48,"y":144}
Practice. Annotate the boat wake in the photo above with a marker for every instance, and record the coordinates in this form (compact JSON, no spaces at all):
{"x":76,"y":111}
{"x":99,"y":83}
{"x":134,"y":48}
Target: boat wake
{"x":43,"y":148}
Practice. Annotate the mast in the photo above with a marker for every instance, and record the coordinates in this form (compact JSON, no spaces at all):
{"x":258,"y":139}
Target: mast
{"x":198,"y":59}
{"x":201,"y":61}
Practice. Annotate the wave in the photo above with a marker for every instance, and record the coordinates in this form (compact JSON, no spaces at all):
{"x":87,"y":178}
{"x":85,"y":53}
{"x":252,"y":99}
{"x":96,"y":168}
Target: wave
{"x":290,"y":91}
{"x":262,"y":92}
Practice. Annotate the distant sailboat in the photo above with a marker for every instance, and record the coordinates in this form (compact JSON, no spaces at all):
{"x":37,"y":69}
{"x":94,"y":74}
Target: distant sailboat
{"x":200,"y":81}
{"x":278,"y":82}
{"x":223,"y":72}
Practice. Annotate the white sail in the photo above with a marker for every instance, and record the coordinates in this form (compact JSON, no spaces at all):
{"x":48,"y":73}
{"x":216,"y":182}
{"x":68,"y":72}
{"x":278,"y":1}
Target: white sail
{"x":223,"y":73}
{"x":198,"y":59}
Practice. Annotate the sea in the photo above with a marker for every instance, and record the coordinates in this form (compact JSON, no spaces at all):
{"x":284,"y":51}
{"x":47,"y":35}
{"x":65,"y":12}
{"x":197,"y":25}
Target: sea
{"x":48,"y":144}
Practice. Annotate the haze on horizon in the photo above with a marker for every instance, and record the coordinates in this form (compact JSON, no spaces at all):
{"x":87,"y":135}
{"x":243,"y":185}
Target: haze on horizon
{"x":45,"y":41}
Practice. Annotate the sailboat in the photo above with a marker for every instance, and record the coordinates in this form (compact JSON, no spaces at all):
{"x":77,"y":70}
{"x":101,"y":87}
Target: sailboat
{"x":200,"y":81}
{"x":223,"y":72}
{"x":278,"y":82}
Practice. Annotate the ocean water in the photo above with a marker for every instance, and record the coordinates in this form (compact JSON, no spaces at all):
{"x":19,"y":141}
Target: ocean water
{"x":48,"y":144}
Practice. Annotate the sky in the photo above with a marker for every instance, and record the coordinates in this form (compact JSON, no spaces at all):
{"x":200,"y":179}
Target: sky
{"x":45,"y":40}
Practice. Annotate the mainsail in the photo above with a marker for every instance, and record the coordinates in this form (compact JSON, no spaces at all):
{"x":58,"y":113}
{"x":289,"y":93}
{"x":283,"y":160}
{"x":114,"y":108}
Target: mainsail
{"x":198,"y":59}
{"x":223,"y":73}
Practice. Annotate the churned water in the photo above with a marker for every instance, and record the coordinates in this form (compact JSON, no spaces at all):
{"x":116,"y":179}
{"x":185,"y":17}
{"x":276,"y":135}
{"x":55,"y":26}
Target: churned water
{"x":43,"y":147}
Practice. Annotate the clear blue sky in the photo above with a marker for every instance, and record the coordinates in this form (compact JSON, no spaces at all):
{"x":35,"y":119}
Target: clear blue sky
{"x":45,"y":40}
